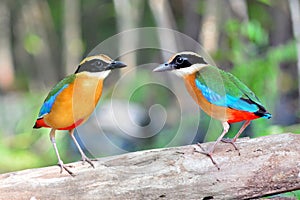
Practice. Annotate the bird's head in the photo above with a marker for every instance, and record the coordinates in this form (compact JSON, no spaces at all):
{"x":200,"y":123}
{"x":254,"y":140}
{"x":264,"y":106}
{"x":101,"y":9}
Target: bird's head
{"x":183,"y":63}
{"x":98,"y":65}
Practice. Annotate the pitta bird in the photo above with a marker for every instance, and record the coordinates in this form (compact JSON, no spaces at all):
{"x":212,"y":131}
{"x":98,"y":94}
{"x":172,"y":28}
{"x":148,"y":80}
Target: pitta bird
{"x":219,"y":94}
{"x":70,"y":103}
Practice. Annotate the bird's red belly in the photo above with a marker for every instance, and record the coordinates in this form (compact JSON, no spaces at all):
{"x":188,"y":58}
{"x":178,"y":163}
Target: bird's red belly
{"x":238,"y":116}
{"x":41,"y":123}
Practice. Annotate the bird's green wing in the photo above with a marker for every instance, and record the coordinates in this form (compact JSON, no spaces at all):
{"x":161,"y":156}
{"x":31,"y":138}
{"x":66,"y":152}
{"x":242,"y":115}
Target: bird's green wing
{"x":247,"y":93}
{"x":223,"y":89}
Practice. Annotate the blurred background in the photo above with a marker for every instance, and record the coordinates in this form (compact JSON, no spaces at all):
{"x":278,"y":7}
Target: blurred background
{"x":43,"y":41}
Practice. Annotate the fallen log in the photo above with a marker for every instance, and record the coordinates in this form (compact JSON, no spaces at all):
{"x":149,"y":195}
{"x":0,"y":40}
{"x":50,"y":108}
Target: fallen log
{"x":267,"y":165}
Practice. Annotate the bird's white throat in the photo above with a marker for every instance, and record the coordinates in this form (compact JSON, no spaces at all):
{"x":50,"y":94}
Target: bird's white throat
{"x":100,"y":75}
{"x":189,"y":70}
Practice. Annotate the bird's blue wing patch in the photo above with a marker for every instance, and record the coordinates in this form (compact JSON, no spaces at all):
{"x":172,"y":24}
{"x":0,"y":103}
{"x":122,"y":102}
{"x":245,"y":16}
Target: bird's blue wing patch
{"x":225,"y":100}
{"x":46,"y":108}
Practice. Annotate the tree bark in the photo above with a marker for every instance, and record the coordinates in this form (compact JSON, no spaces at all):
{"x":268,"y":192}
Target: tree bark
{"x":294,"y":6}
{"x":7,"y":75}
{"x":33,"y":27}
{"x":209,"y":34}
{"x":267,"y":165}
{"x":128,"y":14}
{"x":72,"y":35}
{"x":164,"y":18}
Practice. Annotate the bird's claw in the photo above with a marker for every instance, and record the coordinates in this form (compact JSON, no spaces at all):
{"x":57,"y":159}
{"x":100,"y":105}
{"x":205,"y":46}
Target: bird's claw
{"x":86,"y":159}
{"x":232,"y":142}
{"x":64,"y":167}
{"x":207,"y":153}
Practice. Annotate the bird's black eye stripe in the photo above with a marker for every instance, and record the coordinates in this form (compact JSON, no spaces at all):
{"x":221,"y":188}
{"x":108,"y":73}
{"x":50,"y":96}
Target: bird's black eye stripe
{"x":97,"y":63}
{"x":180,"y":62}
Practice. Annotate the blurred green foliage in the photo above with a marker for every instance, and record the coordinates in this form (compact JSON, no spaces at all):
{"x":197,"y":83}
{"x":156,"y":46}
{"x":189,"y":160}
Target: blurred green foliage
{"x":32,"y":43}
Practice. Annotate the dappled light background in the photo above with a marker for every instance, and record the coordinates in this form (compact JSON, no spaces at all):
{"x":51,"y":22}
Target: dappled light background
{"x":43,"y":41}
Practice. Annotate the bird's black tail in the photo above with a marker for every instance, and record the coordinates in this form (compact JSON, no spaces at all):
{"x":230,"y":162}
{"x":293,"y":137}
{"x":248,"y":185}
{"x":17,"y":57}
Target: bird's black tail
{"x":263,"y":113}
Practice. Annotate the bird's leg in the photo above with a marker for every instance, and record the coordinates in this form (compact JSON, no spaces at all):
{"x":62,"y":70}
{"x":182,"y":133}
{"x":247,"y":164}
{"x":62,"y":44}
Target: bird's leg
{"x":210,"y":151}
{"x":60,"y":162}
{"x":83,"y":156}
{"x":232,"y":141}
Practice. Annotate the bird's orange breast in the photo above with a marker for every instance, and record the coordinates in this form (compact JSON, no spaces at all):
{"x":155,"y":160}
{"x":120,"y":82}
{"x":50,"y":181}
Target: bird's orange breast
{"x":75,"y":103}
{"x":218,"y":112}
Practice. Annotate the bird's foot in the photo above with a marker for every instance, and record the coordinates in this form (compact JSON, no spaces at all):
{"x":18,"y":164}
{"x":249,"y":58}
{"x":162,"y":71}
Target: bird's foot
{"x":64,"y":167}
{"x":232,"y":142}
{"x":86,"y":159}
{"x":207,"y":153}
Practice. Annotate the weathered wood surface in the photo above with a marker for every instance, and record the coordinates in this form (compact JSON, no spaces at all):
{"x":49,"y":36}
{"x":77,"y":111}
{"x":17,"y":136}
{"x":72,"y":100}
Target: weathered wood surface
{"x":267,"y":165}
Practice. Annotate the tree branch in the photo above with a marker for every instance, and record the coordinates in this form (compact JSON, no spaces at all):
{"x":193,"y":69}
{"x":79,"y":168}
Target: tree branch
{"x":267,"y":165}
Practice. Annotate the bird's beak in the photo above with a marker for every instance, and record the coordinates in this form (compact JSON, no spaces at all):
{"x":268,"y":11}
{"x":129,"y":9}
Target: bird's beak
{"x":116,"y":64}
{"x":164,"y":67}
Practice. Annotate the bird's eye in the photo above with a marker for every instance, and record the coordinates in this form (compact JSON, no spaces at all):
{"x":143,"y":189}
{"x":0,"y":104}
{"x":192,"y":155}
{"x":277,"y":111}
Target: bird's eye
{"x":179,"y":60}
{"x":98,"y":63}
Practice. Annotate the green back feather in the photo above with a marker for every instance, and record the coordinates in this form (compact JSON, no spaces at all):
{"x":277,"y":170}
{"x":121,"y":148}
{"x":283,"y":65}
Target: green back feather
{"x":67,"y":80}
